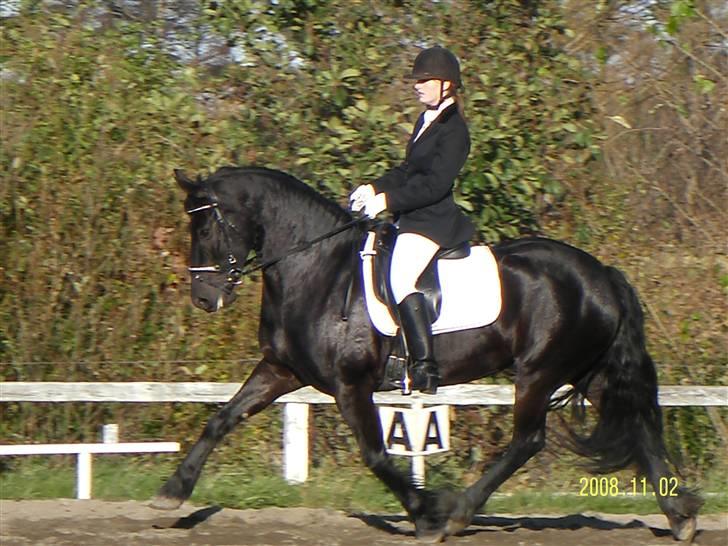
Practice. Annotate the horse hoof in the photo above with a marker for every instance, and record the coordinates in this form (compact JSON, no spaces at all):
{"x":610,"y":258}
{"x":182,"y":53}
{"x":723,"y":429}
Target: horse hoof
{"x":684,"y":530}
{"x":165,"y":503}
{"x":430,"y":536}
{"x":429,"y":531}
{"x":454,"y":526}
{"x":461,"y":515}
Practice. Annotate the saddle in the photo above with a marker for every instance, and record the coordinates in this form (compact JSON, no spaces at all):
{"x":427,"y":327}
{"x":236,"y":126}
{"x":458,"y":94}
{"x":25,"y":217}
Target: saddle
{"x":429,"y":282}
{"x":461,"y":287}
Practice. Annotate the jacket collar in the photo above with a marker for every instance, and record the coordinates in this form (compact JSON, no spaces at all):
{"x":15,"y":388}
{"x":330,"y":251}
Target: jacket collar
{"x":446,"y":114}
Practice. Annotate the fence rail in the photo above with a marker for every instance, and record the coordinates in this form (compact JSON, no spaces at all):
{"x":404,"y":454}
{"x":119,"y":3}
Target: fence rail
{"x":83,"y":454}
{"x":296,"y":404}
{"x":455,"y":395}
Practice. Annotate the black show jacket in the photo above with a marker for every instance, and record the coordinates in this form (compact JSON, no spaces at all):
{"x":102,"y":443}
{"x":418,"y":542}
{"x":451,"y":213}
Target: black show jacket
{"x":419,"y":191}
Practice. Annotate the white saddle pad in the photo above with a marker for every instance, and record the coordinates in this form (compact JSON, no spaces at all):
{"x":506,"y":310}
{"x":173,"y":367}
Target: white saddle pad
{"x":471,"y":292}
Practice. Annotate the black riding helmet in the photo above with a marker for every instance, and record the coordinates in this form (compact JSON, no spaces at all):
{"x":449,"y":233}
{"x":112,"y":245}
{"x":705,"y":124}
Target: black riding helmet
{"x":436,"y":63}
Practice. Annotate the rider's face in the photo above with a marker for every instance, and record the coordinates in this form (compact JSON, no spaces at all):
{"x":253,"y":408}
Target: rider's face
{"x":429,"y":91}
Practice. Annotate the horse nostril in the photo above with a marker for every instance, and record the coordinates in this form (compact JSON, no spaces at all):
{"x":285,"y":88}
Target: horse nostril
{"x":203,"y":303}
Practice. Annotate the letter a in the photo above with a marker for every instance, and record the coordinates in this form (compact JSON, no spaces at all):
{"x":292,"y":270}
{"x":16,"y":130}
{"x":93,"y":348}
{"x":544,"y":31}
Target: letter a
{"x":433,"y":433}
{"x":401,"y":439}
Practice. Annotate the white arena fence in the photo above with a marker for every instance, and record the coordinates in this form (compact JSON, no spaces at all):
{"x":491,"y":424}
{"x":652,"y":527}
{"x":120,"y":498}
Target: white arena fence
{"x":295,"y":413}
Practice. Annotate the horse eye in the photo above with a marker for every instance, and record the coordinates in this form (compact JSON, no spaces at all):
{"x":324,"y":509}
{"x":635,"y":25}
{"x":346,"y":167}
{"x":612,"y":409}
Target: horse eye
{"x":204,"y":233}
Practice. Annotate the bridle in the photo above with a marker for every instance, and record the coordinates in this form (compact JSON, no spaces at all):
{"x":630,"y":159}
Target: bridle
{"x":236,"y":273}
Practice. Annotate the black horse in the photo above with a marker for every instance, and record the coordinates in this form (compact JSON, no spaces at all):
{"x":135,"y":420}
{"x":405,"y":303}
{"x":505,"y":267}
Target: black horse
{"x":566,"y":320}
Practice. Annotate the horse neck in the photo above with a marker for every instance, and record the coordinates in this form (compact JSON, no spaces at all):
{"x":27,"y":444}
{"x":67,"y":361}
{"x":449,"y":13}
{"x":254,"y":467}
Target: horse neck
{"x":289,"y":218}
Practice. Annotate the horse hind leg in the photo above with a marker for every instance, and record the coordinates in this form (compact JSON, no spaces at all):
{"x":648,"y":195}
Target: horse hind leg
{"x":679,"y":503}
{"x":529,"y":437}
{"x":267,"y":382}
{"x":629,"y":428}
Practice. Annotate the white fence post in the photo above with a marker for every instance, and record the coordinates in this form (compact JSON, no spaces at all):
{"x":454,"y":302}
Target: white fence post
{"x":418,"y":471}
{"x":295,"y":442}
{"x":110,"y":433}
{"x":418,"y":461}
{"x":83,"y":475}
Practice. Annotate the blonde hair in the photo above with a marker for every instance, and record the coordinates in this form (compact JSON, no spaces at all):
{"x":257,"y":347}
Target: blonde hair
{"x":459,"y":102}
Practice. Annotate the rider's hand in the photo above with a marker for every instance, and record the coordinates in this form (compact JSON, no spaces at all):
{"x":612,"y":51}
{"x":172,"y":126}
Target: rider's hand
{"x":359,"y":197}
{"x":376,"y":204}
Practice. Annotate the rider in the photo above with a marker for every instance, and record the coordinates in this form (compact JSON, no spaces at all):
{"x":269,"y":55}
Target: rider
{"x":420,"y":194}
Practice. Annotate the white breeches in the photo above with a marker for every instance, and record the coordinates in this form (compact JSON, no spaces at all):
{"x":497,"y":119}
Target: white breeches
{"x":412,"y":252}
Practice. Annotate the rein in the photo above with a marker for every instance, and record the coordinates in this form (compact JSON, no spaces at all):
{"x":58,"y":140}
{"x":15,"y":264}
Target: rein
{"x":235,"y":274}
{"x":302,"y":246}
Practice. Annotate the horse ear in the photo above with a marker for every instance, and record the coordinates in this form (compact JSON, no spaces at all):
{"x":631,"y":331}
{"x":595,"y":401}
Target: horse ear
{"x":184,"y":181}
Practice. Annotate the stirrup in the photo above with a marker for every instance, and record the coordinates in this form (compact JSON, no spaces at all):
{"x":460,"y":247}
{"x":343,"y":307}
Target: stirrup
{"x":397,"y":375}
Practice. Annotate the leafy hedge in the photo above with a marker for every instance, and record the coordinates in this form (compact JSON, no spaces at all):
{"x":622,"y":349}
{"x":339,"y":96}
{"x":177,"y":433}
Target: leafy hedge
{"x":97,"y":115}
{"x":98,"y":108}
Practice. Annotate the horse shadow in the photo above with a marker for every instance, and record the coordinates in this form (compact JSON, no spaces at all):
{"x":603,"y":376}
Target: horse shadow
{"x":191,"y":521}
{"x":494,"y":524}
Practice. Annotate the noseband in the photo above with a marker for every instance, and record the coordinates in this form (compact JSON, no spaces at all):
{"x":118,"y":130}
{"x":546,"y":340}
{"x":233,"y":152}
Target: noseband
{"x":235,"y":273}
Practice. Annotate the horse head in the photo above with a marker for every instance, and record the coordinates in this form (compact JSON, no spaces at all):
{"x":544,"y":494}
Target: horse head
{"x":222,"y":235}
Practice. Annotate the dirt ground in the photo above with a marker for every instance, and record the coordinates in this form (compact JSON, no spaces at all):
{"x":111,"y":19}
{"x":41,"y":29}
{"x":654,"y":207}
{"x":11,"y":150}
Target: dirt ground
{"x":101,"y":523}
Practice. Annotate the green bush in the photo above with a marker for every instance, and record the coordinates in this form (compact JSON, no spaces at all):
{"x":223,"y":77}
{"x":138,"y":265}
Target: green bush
{"x":98,"y":108}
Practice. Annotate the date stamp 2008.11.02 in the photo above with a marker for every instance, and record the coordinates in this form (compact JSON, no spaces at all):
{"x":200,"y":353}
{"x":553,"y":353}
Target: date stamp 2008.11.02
{"x":603,"y":486}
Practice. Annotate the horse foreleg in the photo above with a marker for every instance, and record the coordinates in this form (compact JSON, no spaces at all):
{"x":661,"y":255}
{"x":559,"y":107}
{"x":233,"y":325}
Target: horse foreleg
{"x":267,"y":382}
{"x":529,"y":437}
{"x":358,"y":410}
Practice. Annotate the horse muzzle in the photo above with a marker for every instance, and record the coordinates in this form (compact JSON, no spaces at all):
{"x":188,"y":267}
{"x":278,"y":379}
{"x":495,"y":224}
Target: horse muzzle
{"x":209,"y":297}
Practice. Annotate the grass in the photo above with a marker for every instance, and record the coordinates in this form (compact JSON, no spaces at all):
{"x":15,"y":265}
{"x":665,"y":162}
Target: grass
{"x":352,"y":489}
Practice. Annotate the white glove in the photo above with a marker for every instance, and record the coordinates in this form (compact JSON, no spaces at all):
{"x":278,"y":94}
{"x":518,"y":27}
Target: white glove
{"x":375,"y":205}
{"x":359,"y":197}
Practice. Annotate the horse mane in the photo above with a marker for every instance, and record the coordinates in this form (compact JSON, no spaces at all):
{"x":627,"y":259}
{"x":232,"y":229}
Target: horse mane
{"x":284,"y":183}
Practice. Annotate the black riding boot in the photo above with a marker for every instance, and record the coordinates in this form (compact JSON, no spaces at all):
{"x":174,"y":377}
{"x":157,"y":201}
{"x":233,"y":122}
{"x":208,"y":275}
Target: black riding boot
{"x":415,"y":322}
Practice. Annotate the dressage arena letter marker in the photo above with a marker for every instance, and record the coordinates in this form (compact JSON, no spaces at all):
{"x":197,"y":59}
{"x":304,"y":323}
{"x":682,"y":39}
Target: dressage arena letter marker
{"x":417,"y":431}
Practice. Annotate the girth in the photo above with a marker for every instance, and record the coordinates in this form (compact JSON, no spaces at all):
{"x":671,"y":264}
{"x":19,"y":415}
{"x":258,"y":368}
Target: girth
{"x":429,"y":281}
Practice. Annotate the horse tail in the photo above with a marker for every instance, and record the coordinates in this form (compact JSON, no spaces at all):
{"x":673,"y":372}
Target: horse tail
{"x":629,"y":426}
